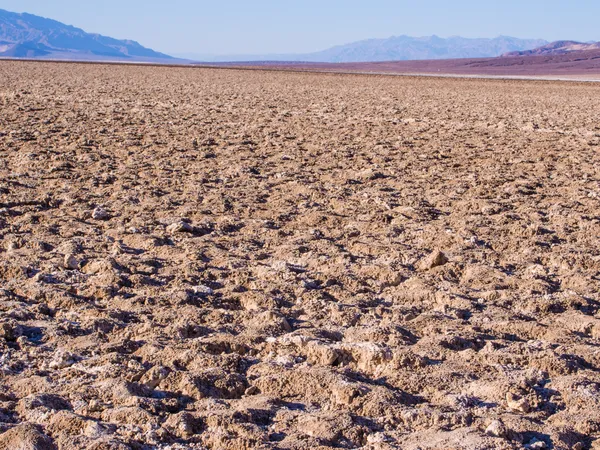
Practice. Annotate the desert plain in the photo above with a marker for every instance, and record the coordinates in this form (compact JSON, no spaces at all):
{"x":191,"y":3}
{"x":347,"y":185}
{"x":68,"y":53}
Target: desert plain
{"x":197,"y":258}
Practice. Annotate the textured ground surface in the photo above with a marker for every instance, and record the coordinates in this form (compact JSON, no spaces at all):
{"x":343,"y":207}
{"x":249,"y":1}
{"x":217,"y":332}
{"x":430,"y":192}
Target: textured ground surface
{"x":196,"y":258}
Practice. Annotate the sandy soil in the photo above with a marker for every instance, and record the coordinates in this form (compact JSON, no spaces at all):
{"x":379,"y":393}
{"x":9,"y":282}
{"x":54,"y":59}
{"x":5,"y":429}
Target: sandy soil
{"x":221,"y":259}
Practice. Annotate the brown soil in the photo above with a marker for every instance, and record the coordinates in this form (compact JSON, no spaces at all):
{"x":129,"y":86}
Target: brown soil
{"x":222,"y":259}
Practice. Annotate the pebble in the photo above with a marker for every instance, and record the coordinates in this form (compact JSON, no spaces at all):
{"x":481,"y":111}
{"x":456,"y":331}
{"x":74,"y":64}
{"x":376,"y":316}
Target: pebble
{"x":536,"y":444}
{"x":100,"y":214}
{"x":436,"y":259}
{"x":252,"y":390}
{"x":10,"y":330}
{"x":180,"y":227}
{"x":71,"y":262}
{"x":153,"y":377}
{"x":517,"y":403}
{"x":203,"y":291}
{"x":496,"y":429}
{"x":62,"y":359}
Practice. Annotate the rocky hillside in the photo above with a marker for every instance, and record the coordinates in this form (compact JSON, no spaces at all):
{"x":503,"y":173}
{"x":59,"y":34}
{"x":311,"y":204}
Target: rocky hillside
{"x":557,"y":48}
{"x":30,"y":36}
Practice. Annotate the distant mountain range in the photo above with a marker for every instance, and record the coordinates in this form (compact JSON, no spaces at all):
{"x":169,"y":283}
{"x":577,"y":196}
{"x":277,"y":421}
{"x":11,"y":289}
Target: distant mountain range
{"x":403,"y":48}
{"x":29,"y":36}
{"x":558,"y":48}
{"x":397,"y":48}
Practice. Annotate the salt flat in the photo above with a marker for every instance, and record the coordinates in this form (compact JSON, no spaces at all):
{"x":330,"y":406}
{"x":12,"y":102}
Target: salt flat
{"x":226,"y":259}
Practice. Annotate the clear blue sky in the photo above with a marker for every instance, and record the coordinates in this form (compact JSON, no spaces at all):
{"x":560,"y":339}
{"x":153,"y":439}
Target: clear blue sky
{"x":286,"y":26}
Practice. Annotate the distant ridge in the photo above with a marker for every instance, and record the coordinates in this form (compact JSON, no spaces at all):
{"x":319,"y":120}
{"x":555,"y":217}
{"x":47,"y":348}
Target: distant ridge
{"x":557,"y":48}
{"x":403,"y":48}
{"x":29,"y":36}
{"x":396,"y":48}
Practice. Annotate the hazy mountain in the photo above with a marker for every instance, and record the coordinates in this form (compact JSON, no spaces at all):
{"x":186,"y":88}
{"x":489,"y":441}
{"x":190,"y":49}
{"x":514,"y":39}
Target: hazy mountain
{"x":558,"y":48}
{"x":397,"y":48}
{"x":30,"y":36}
{"x":403,"y":48}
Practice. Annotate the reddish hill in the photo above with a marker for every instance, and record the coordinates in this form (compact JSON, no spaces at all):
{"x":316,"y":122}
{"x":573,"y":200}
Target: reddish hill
{"x":557,"y":48}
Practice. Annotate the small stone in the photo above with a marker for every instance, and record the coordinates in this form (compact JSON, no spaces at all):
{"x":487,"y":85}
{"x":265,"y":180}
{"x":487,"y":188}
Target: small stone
{"x":10,"y":330}
{"x":202,"y":291}
{"x":62,"y":359}
{"x":180,"y":227}
{"x":517,"y":403}
{"x":71,"y":262}
{"x":183,"y":425}
{"x":100,"y":214}
{"x":95,"y":406}
{"x":496,"y":429}
{"x":252,"y":390}
{"x":94,"y":430}
{"x":153,"y":377}
{"x":536,"y":444}
{"x":378,"y":438}
{"x":311,"y":284}
{"x":436,"y":259}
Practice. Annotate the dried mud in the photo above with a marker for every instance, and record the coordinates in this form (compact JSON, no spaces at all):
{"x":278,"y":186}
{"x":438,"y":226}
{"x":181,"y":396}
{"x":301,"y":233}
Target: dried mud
{"x":221,"y":259}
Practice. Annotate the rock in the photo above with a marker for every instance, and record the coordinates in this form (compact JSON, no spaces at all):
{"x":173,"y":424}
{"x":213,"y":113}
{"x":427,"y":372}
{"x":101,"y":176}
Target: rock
{"x":496,"y":429}
{"x":328,"y":427}
{"x":517,"y":403}
{"x":95,"y":406}
{"x":536,"y":444}
{"x":94,"y":430}
{"x":26,"y":437}
{"x":62,"y":359}
{"x":100,"y":214}
{"x":154,"y":376}
{"x":10,"y":330}
{"x":132,"y":415}
{"x":181,"y":226}
{"x":436,"y":259}
{"x":71,"y":262}
{"x":182,"y":425}
{"x":370,"y":174}
{"x":202,"y":291}
{"x":252,"y":390}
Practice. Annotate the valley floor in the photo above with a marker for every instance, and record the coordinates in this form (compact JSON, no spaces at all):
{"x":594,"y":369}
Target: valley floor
{"x":223,"y":259}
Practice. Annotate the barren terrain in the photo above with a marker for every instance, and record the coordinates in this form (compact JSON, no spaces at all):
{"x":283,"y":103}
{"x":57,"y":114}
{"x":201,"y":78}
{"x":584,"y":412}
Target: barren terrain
{"x":223,"y":259}
{"x":584,"y":65}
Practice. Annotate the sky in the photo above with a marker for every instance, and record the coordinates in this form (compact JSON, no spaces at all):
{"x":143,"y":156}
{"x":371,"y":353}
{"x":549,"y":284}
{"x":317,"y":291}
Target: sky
{"x":233,"y":27}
